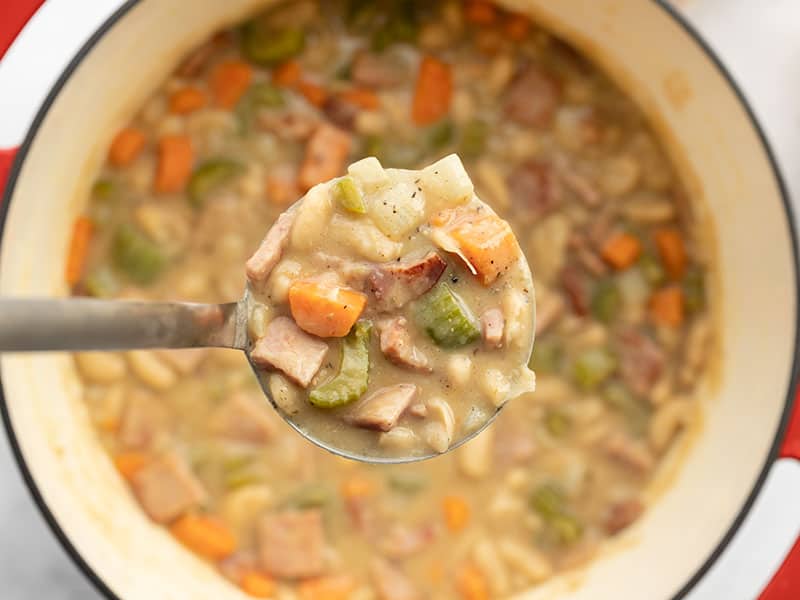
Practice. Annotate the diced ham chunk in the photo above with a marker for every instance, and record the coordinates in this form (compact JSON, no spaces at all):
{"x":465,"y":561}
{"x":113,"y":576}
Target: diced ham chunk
{"x":326,"y":153}
{"x":340,"y":112}
{"x":291,"y":544}
{"x":166,"y":488}
{"x":622,"y":514}
{"x":291,"y":350}
{"x":143,"y":419}
{"x":397,"y":346}
{"x":493,"y":324}
{"x":402,"y":541}
{"x":244,"y":417}
{"x":382,"y":409}
{"x":549,"y":307}
{"x":633,"y":454}
{"x":377,"y":70}
{"x":260,"y":265}
{"x":535,"y":189}
{"x":641,"y":361}
{"x":289,"y":126}
{"x":577,"y":289}
{"x":395,"y":284}
{"x":391,"y":583}
{"x":533,"y":97}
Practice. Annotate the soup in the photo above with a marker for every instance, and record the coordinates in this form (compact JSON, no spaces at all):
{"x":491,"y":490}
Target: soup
{"x":623,"y":328}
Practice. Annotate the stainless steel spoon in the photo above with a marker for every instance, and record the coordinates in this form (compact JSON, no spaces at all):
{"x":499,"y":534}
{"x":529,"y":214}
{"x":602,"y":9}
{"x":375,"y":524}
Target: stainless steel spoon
{"x":79,"y":324}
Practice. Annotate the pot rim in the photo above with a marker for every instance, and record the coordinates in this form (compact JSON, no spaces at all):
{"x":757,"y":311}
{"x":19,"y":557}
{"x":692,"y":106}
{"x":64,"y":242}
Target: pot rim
{"x":671,"y":12}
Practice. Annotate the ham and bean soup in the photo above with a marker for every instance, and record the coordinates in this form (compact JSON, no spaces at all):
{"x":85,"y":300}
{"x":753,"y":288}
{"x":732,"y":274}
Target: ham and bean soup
{"x":253,"y":119}
{"x":439,"y":277}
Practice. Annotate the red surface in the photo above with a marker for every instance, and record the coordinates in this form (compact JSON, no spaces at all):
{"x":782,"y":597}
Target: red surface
{"x":14,"y":14}
{"x":791,"y":442}
{"x":785,"y":584}
{"x":6,"y":159}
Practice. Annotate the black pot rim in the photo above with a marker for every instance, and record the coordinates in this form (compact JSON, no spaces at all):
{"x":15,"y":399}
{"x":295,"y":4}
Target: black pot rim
{"x":695,"y":36}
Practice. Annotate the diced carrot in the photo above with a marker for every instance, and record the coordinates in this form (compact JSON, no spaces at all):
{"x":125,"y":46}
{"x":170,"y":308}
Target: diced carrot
{"x":315,"y":94}
{"x":325,"y":310}
{"x":128,"y":463}
{"x":82,"y":231}
{"x":480,"y":12}
{"x":175,"y":160}
{"x":667,"y":306}
{"x":433,"y":91}
{"x":109,"y":424}
{"x":435,"y":572}
{"x":361,"y":97}
{"x":621,"y":250}
{"x":485,"y":241}
{"x":186,"y":100}
{"x":126,"y":146}
{"x":332,"y":587}
{"x":229,"y":81}
{"x":456,"y":512}
{"x":326,"y":152}
{"x":207,"y":536}
{"x":471,"y":583}
{"x":357,"y":487}
{"x":287,"y":74}
{"x":516,"y":27}
{"x":257,"y":584}
{"x":672,"y":251}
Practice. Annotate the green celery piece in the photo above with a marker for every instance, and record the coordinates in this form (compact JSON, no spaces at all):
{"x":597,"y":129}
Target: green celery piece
{"x":209,"y":176}
{"x":136,"y":256}
{"x":103,"y":189}
{"x":446,"y":319}
{"x":361,"y":14}
{"x":351,"y":381}
{"x":593,"y":367}
{"x":312,"y":495}
{"x":473,"y":139}
{"x":260,"y":95}
{"x":440,"y":135}
{"x":101,"y":283}
{"x":694,"y":290}
{"x":557,"y":423}
{"x":399,"y":29}
{"x":606,"y":301}
{"x":407,"y":482}
{"x":268,"y":47}
{"x":566,"y":528}
{"x":651,"y":269}
{"x":621,"y":399}
{"x":346,"y":193}
{"x":547,"y":356}
{"x":548,"y":501}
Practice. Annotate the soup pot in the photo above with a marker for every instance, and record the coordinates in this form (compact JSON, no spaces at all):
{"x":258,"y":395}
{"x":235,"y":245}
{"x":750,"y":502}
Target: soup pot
{"x":718,"y":149}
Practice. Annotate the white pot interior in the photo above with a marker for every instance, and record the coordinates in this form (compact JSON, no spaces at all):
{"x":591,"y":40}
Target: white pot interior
{"x":711,"y":139}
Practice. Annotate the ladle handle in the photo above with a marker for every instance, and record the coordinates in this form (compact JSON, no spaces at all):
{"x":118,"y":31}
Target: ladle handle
{"x":40,"y":324}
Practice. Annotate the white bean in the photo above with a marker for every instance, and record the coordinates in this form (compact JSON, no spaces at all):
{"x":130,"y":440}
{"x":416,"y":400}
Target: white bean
{"x":151,"y":370}
{"x":551,"y":389}
{"x":440,"y":413}
{"x":494,"y":189}
{"x":547,"y":247}
{"x":475,"y":457}
{"x":525,"y":559}
{"x":398,"y":438}
{"x":459,"y":369}
{"x":463,"y":109}
{"x":100,"y":367}
{"x":488,"y":561}
{"x":251,"y":184}
{"x":496,"y":386}
{"x":518,"y":311}
{"x":284,"y":394}
{"x":370,"y":122}
{"x":501,"y":71}
{"x":281,"y":279}
{"x":620,"y":175}
{"x":257,"y":323}
{"x":242,"y":505}
{"x":668,"y":420}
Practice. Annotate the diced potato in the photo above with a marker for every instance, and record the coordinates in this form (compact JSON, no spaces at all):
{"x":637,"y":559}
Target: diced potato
{"x":446,"y":183}
{"x":100,"y":367}
{"x":281,"y":279}
{"x":370,"y":174}
{"x":257,"y":323}
{"x":397,"y":210}
{"x":241,"y":506}
{"x":313,"y":215}
{"x":364,"y":238}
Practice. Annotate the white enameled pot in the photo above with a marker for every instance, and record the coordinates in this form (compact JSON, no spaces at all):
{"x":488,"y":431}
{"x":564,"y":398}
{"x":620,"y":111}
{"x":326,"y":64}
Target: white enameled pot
{"x":715,"y":144}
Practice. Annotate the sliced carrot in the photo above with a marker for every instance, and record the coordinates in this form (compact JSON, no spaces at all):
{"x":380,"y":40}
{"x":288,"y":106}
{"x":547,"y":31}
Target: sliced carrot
{"x":82,"y":231}
{"x":672,"y":251}
{"x":667,"y":306}
{"x":287,"y":74}
{"x":456,"y":512}
{"x":485,"y":241}
{"x":471,"y":583}
{"x":126,"y":146}
{"x":207,"y":536}
{"x":128,"y":463}
{"x":480,"y":12}
{"x":325,"y":310}
{"x":516,"y":27}
{"x":175,"y":160}
{"x":315,"y":94}
{"x":229,"y":81}
{"x":332,"y":587}
{"x":433,"y":91}
{"x":361,"y":97}
{"x":257,"y":584}
{"x":326,"y":152}
{"x":357,"y":487}
{"x":621,"y":250}
{"x":186,"y":100}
